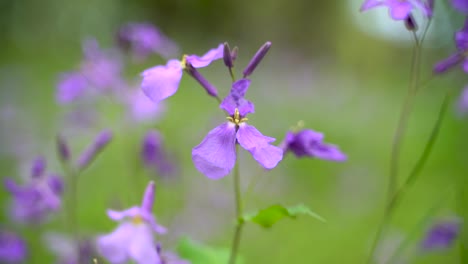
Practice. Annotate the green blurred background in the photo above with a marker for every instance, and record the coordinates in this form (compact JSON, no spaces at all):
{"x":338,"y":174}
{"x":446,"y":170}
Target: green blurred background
{"x":342,"y":72}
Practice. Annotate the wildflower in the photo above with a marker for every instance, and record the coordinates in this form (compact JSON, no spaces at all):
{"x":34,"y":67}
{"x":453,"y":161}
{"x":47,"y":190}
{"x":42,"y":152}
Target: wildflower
{"x":12,"y":248}
{"x":309,"y":143}
{"x":461,"y":41}
{"x":100,"y":142}
{"x":141,"y":108}
{"x":143,"y":39}
{"x":69,"y":251}
{"x":442,"y":235}
{"x":154,"y":155}
{"x":161,"y":82}
{"x":133,"y":238}
{"x":34,"y":201}
{"x":461,"y":6}
{"x":215,"y":156}
{"x":398,"y":9}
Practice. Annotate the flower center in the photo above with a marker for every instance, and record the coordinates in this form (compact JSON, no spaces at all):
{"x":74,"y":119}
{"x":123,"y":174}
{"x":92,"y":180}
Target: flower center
{"x":137,"y":220}
{"x":183,"y":62}
{"x":236,"y":118}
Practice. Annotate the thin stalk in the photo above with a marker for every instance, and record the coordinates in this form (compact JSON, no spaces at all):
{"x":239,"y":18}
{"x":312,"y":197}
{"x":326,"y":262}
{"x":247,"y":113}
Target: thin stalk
{"x":72,"y":206}
{"x":239,"y":223}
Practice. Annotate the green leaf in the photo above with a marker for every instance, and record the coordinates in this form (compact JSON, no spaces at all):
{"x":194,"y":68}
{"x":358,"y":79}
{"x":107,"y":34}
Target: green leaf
{"x":269,"y":216}
{"x":198,"y":253}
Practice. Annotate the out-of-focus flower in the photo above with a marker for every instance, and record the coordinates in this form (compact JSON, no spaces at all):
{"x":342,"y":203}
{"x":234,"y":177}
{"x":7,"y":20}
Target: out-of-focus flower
{"x":89,"y":154}
{"x":441,"y":235}
{"x":398,"y":9}
{"x":133,"y":238}
{"x":12,"y":248}
{"x":144,"y":39}
{"x":461,"y":42}
{"x":141,"y":108}
{"x":39,"y":197}
{"x":100,"y":72}
{"x":154,"y":155}
{"x":215,"y":156}
{"x":461,"y":6}
{"x":309,"y":143}
{"x":69,"y":251}
{"x":161,"y":81}
{"x":463,"y":101}
{"x":170,"y":257}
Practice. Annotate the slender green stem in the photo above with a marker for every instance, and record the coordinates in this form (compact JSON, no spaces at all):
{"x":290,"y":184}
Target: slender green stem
{"x":233,"y":76}
{"x":72,"y":206}
{"x":239,"y":223}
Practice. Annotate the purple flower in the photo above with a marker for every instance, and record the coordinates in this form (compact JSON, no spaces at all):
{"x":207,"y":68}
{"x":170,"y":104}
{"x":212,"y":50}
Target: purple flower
{"x":143,"y":39}
{"x":215,"y":156}
{"x":309,"y":143}
{"x":441,"y":235}
{"x":461,"y":41}
{"x":141,"y":108}
{"x":71,"y":87}
{"x":461,"y":6}
{"x":398,"y":9}
{"x":35,"y":200}
{"x":161,"y":81}
{"x":154,"y":155}
{"x":133,"y":238}
{"x":12,"y":248}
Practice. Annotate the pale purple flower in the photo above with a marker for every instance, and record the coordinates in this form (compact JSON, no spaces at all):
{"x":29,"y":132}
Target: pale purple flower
{"x":309,"y":143}
{"x":463,"y":101}
{"x":144,"y":39}
{"x":12,"y":248}
{"x":90,"y":153}
{"x":398,"y":9}
{"x":163,"y":81}
{"x":141,"y":108}
{"x":133,"y":239}
{"x":35,"y":200}
{"x":68,"y":250}
{"x":442,"y":235}
{"x":459,"y":57}
{"x":155,"y":156}
{"x":71,"y":87}
{"x":461,"y":6}
{"x":215,"y":156}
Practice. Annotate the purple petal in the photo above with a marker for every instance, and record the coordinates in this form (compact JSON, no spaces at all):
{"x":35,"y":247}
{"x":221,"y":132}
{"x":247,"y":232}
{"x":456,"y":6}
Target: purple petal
{"x":235,"y":99}
{"x":141,"y":108}
{"x":215,"y":156}
{"x":55,"y":184}
{"x":114,"y":245}
{"x":461,"y":38}
{"x":461,"y":6}
{"x":154,"y":154}
{"x":368,"y":4}
{"x":205,"y":60}
{"x":148,"y":198}
{"x":12,"y":248}
{"x":328,"y":152}
{"x":149,"y":218}
{"x":121,"y":215}
{"x":465,"y":65}
{"x":259,"y":146}
{"x":399,"y":10}
{"x":71,"y":86}
{"x":11,"y":186}
{"x":161,"y":82}
{"x":142,"y":248}
{"x":447,"y":64}
{"x":442,"y":235}
{"x":38,"y":167}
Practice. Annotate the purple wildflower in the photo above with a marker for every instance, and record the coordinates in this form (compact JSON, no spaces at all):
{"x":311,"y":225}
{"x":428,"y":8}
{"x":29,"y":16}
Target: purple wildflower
{"x":143,"y":39}
{"x":461,"y":41}
{"x":463,"y":101}
{"x":71,"y":87}
{"x":398,"y":9}
{"x":12,"y":248}
{"x":89,"y":154}
{"x":161,"y":81}
{"x":69,"y":251}
{"x":215,"y":156}
{"x":461,"y":6}
{"x":133,"y":238}
{"x":154,"y":155}
{"x":34,"y":201}
{"x":441,"y":235}
{"x":141,"y":108}
{"x":309,"y":143}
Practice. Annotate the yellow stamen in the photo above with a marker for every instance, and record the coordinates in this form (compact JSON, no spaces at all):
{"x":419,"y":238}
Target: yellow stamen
{"x":236,"y":118}
{"x":136,"y":220}
{"x":183,"y":62}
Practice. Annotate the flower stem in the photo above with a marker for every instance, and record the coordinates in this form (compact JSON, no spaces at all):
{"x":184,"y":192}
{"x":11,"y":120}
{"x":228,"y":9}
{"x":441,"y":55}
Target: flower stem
{"x":239,"y":223}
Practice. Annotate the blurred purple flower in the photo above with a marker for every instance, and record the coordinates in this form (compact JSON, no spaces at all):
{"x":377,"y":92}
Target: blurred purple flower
{"x":71,"y":87}
{"x":441,"y":235}
{"x":463,"y":101}
{"x":35,"y":200}
{"x":215,"y":156}
{"x":170,"y":257}
{"x":398,"y":9}
{"x":309,"y":143}
{"x":461,"y":42}
{"x":12,"y":248}
{"x":161,"y":81}
{"x":141,"y":108}
{"x":154,"y":155}
{"x":90,"y":153}
{"x":461,"y":6}
{"x":69,"y":251}
{"x":143,"y":39}
{"x":133,"y":238}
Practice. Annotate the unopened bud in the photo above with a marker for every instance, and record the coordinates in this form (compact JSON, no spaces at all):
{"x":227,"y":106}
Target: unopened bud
{"x":227,"y":57}
{"x":234,"y":52}
{"x":63,"y":151}
{"x":410,"y":23}
{"x":210,"y":89}
{"x":257,"y":58}
{"x":101,"y":141}
{"x":38,"y":167}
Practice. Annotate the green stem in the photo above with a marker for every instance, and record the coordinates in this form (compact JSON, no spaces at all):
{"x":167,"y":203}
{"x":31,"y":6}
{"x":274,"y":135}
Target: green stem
{"x":239,"y":223}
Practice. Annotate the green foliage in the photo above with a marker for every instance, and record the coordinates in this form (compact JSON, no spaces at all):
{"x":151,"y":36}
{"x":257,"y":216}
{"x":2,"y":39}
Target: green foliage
{"x":198,"y":253}
{"x":269,"y":216}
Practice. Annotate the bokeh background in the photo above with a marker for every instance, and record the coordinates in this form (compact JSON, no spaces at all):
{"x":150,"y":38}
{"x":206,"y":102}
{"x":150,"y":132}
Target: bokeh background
{"x":342,"y":72}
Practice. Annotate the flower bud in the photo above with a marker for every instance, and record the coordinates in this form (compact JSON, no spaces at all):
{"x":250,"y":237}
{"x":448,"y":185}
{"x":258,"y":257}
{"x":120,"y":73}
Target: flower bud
{"x":256,"y":59}
{"x":410,"y":23}
{"x":96,"y":147}
{"x":227,"y":57}
{"x":62,"y":149}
